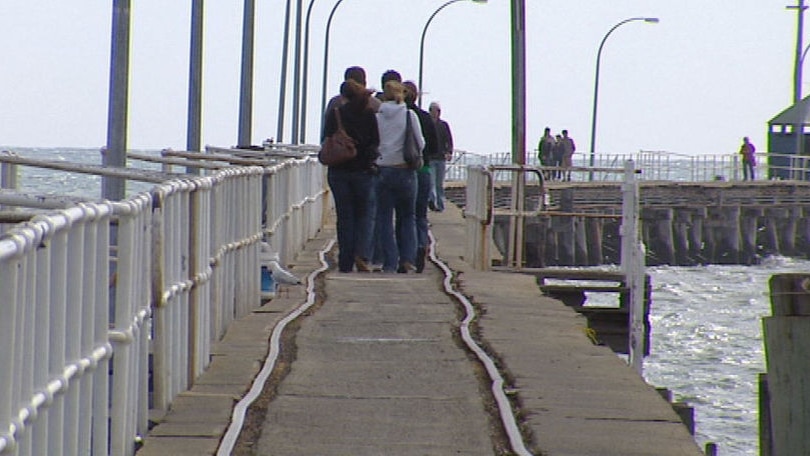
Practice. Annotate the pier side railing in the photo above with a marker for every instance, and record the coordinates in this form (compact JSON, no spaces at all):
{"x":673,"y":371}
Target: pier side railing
{"x":527,"y":201}
{"x":657,"y":166}
{"x":92,"y":291}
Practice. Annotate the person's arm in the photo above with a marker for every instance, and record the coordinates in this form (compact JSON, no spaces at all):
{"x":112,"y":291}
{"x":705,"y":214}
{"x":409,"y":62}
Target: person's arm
{"x":417,"y":130}
{"x":431,"y":138}
{"x":329,"y":111}
{"x":449,"y":138}
{"x":329,"y":124}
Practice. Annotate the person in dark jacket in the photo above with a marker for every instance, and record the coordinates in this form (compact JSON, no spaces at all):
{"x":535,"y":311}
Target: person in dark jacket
{"x":352,"y":183}
{"x":444,"y":154}
{"x":423,"y":175}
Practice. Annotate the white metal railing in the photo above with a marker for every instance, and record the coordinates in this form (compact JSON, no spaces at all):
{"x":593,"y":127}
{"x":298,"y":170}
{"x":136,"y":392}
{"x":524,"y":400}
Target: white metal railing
{"x":655,"y":166}
{"x":89,"y":291}
{"x":481,"y":208}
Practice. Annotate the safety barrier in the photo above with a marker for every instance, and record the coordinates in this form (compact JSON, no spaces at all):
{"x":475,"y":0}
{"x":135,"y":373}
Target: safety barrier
{"x":89,"y":291}
{"x":656,"y":166}
{"x":528,"y":200}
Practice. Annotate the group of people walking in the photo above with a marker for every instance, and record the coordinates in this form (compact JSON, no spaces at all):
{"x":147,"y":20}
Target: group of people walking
{"x":381,"y":202}
{"x":556,"y":152}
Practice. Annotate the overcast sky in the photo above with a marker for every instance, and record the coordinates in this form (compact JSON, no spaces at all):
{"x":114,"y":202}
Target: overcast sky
{"x":709,"y":73}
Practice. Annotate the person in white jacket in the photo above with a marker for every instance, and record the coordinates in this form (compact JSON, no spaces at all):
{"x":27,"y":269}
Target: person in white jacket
{"x":396,"y":183}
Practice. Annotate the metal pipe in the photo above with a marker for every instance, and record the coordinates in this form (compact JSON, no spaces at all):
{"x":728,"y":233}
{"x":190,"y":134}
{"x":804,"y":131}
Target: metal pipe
{"x":596,"y":84}
{"x":297,"y":73}
{"x":326,"y":58}
{"x":113,"y":188}
{"x":194,"y":123}
{"x":422,"y":42}
{"x":282,"y":86}
{"x":246,"y":86}
{"x":305,"y":75}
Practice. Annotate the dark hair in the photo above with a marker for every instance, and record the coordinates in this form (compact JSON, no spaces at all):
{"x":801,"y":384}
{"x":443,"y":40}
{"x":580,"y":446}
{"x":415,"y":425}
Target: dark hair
{"x":355,"y":73}
{"x":391,"y":75}
{"x":356,"y":94}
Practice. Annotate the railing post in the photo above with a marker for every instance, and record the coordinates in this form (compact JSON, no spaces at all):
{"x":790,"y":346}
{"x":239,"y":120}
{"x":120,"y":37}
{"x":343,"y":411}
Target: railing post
{"x":632,"y":263}
{"x":787,"y":340}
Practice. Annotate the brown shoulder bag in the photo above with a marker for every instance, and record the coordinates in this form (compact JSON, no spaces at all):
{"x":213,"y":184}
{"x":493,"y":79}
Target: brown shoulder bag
{"x":339,"y":147}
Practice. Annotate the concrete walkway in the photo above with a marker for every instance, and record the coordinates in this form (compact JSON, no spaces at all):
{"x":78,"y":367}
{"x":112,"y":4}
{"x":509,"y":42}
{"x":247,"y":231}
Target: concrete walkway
{"x":379,"y":370}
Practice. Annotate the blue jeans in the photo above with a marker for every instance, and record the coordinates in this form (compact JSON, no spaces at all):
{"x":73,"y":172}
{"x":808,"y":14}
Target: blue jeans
{"x":396,"y":195}
{"x":353,"y":192}
{"x":423,"y":181}
{"x":437,"y":170}
{"x":748,"y":170}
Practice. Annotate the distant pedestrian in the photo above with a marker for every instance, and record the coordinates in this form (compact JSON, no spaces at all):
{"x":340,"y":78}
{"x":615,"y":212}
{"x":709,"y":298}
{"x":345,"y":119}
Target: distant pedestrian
{"x":352,"y":183}
{"x":568,"y":148}
{"x":557,"y":153}
{"x":545,"y":151}
{"x":423,"y":175}
{"x":749,"y":159}
{"x":444,"y":154}
{"x":396,"y":184}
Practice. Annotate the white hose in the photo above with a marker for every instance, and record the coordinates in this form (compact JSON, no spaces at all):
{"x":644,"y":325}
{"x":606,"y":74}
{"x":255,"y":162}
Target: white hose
{"x":505,"y":408}
{"x":241,"y":407}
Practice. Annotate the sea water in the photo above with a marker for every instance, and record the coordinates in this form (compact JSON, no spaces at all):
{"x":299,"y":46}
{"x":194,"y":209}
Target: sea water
{"x":707,"y":344}
{"x":706,"y":320}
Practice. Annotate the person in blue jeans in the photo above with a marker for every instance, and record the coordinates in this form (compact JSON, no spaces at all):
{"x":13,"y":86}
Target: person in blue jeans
{"x":423,"y":175}
{"x":396,"y":184}
{"x":352,"y":183}
{"x":444,"y":153}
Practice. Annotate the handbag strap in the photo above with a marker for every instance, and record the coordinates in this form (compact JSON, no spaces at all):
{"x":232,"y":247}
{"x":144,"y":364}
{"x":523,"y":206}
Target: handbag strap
{"x":407,"y":127}
{"x":337,"y":116}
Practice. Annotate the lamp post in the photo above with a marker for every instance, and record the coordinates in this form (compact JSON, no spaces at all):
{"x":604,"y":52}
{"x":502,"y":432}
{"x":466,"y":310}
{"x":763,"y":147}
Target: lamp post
{"x":304,"y":75}
{"x":422,"y":41}
{"x":326,"y":56}
{"x":282,"y":87}
{"x":652,"y":20}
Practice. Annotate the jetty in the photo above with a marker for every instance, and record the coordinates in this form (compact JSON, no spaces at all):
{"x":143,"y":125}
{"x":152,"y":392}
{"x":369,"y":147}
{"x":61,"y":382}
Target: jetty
{"x":178,"y":330}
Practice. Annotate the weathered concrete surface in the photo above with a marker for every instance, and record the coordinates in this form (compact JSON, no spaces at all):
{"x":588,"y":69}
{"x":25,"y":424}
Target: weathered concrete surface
{"x":378,"y":371}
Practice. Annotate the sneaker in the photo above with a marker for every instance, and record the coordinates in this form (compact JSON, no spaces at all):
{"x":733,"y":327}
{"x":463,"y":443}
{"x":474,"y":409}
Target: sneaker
{"x":361,"y":264}
{"x":432,"y":206}
{"x":420,"y":259}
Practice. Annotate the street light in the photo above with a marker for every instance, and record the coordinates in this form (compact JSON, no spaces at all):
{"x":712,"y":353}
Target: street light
{"x":422,"y":42}
{"x":652,"y":20}
{"x":326,"y":56}
{"x":305,"y":75}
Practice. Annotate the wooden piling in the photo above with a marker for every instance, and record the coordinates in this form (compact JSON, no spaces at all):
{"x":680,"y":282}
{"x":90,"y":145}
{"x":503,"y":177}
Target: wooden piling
{"x":696,"y":246}
{"x":787,"y":342}
{"x":580,"y":241}
{"x":727,"y":231}
{"x":593,"y":231}
{"x":769,"y":237}
{"x":749,"y":218}
{"x":681,"y":222}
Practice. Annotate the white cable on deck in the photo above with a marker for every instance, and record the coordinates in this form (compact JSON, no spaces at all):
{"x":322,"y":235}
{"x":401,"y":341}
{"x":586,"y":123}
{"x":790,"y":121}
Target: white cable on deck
{"x":505,"y":408}
{"x":241,"y":407}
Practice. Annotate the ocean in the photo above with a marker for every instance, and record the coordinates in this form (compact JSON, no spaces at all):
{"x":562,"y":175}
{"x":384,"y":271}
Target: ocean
{"x":706,"y":320}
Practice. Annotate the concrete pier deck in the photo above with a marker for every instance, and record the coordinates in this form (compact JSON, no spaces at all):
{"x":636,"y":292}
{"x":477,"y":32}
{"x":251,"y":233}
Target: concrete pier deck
{"x":377,"y":368}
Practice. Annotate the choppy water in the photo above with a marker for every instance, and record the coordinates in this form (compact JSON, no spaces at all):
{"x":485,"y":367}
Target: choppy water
{"x":706,"y":323}
{"x":707,"y":344}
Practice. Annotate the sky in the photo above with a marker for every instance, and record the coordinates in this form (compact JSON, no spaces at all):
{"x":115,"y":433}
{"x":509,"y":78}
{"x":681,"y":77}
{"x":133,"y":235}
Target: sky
{"x":709,"y":73}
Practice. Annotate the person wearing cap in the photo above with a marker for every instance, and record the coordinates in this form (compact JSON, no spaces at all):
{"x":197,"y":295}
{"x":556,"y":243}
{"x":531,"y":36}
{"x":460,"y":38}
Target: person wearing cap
{"x":444,"y":153}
